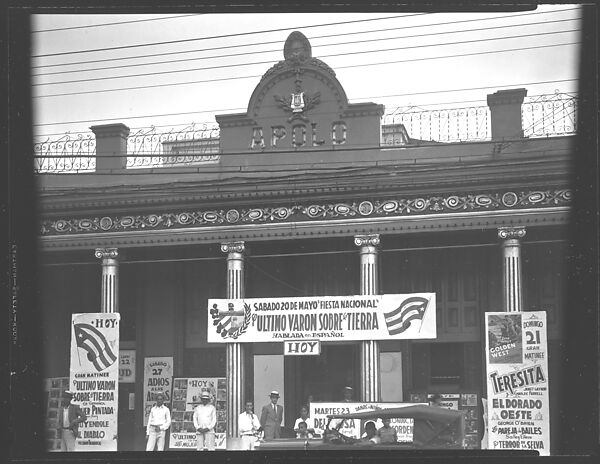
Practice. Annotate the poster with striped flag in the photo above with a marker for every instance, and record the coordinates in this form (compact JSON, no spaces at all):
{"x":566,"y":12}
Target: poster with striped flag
{"x":94,"y":378}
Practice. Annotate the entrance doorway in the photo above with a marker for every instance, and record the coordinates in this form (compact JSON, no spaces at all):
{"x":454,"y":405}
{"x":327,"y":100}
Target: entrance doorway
{"x":321,"y":377}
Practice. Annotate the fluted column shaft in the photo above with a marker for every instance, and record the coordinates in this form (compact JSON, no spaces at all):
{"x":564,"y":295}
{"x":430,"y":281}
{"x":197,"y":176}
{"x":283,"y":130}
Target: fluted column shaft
{"x":512,"y":274}
{"x":369,"y":349}
{"x":235,"y":351}
{"x":110,"y":279}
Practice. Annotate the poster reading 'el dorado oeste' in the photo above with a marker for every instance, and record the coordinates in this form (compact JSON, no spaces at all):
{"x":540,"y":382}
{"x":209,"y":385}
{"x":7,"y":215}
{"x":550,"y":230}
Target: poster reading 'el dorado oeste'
{"x":517,"y":381}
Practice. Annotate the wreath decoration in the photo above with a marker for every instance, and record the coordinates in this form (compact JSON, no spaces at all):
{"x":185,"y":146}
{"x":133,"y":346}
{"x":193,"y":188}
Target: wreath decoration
{"x":233,"y":333}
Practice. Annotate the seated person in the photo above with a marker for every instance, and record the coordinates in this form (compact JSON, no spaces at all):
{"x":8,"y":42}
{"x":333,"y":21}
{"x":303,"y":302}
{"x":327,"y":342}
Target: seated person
{"x":387,"y":434}
{"x":304,"y":417}
{"x":370,"y":435}
{"x":303,"y":432}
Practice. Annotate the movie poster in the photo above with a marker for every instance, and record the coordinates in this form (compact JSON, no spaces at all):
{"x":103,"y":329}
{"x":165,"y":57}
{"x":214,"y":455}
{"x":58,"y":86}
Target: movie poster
{"x":158,"y":375}
{"x":186,"y":396}
{"x":94,"y":378}
{"x":517,"y":381}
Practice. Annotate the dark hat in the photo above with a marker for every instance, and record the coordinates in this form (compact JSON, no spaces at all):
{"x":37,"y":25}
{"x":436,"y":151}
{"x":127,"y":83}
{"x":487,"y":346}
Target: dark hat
{"x":205,"y":394}
{"x":274,"y":393}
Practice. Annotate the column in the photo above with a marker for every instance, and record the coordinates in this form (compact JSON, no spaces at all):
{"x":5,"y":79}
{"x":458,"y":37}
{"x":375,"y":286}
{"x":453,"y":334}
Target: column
{"x":369,"y":349}
{"x":511,"y":255}
{"x":235,"y":351}
{"x":110,"y":279}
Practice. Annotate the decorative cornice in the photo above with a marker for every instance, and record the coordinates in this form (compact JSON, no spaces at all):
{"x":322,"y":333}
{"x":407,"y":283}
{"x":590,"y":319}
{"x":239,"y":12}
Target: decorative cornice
{"x":106,"y":253}
{"x":367,"y":240}
{"x":395,"y":207}
{"x":511,"y":233}
{"x":233,"y":247}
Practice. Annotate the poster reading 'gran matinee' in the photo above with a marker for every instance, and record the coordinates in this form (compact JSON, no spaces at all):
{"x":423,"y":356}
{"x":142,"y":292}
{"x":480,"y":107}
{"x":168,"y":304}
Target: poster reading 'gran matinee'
{"x":517,"y":381}
{"x":94,"y":378}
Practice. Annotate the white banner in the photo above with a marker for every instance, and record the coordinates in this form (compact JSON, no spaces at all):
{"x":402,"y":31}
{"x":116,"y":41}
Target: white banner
{"x":94,"y":378}
{"x":127,"y":366}
{"x":339,"y":318}
{"x":158,"y":375}
{"x":517,"y":381}
{"x":352,"y":427}
{"x":186,"y":396}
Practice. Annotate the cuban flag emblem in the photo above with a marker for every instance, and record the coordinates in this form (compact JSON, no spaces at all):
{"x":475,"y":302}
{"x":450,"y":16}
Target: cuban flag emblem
{"x":399,"y":319}
{"x":99,"y":353}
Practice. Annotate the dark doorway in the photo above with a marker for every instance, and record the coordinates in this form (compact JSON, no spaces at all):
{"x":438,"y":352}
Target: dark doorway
{"x":323,"y":377}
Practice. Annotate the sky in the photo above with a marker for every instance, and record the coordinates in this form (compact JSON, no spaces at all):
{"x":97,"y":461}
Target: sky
{"x":212,"y":62}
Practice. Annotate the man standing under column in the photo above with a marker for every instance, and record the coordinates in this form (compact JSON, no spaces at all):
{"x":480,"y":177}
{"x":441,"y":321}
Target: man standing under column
{"x":159,"y":421}
{"x":249,"y":427}
{"x":271,"y":417}
{"x":205,"y":419}
{"x":69,"y":417}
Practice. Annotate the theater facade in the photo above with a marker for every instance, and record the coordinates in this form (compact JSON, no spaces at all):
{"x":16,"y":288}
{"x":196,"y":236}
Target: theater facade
{"x":299,"y":197}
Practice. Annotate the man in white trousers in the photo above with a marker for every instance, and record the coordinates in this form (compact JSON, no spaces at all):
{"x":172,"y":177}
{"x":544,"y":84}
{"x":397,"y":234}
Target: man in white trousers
{"x":249,"y":427}
{"x":159,"y":421}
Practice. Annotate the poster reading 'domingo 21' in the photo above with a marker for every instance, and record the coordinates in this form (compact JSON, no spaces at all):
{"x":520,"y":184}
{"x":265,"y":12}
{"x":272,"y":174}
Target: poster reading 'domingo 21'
{"x":517,"y":381}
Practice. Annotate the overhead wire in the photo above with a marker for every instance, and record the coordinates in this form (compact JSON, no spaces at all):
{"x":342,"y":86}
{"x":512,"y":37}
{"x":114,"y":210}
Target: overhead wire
{"x":460,"y":55}
{"x":356,"y":52}
{"x":113,"y":24}
{"x":360,"y":98}
{"x":230,"y":55}
{"x":279,"y":41}
{"x":223,"y":36}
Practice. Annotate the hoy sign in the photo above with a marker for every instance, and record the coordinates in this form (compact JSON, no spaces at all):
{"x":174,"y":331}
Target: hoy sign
{"x":302,"y":348}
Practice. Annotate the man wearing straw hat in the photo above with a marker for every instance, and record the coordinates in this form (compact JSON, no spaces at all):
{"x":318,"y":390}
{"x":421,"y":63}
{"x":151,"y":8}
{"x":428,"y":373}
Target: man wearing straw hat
{"x":271,"y":417}
{"x":69,"y":417}
{"x":205,"y":419}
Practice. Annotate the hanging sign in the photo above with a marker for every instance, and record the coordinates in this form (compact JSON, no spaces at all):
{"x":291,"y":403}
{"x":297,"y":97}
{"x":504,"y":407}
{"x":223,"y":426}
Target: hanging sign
{"x":352,"y":427}
{"x":329,"y":318}
{"x":302,"y":348}
{"x":186,"y":396}
{"x":94,"y":378}
{"x":158,"y":375}
{"x":517,"y":381}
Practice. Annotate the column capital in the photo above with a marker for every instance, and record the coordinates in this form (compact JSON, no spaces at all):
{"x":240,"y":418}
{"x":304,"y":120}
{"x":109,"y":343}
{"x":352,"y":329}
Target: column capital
{"x":106,"y":253}
{"x":233,"y":247}
{"x":508,"y":233}
{"x":367,"y":240}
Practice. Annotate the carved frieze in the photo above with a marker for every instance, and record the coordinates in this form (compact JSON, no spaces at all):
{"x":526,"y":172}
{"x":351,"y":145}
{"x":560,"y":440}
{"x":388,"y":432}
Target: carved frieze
{"x":398,"y":207}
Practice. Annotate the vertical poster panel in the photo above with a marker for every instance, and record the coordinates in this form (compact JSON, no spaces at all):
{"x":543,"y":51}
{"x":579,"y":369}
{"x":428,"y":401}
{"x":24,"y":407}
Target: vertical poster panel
{"x":94,"y":378}
{"x":53,"y":390}
{"x":186,"y":396}
{"x":517,"y":381}
{"x":127,"y":366}
{"x":158,"y":375}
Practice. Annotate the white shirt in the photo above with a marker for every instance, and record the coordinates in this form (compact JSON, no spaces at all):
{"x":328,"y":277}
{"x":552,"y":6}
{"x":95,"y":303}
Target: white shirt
{"x":160,"y":416}
{"x":297,"y":426}
{"x":205,"y":416}
{"x":248,"y":423}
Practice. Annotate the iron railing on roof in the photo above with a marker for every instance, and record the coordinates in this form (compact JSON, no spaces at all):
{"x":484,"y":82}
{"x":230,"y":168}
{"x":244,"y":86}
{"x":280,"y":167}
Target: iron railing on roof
{"x":198,"y":144}
{"x":191,"y":146}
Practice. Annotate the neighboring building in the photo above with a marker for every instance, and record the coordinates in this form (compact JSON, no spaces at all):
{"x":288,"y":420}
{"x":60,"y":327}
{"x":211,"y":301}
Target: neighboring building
{"x":302,"y":192}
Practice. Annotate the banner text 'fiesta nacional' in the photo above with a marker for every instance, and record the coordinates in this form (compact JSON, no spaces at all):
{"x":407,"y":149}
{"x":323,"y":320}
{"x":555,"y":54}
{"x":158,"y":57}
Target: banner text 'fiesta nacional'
{"x":341,"y":318}
{"x":94,"y":378}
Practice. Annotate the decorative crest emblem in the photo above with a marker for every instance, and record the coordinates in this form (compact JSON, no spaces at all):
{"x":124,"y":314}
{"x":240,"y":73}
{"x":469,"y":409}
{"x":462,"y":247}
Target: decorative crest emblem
{"x":230,"y":323}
